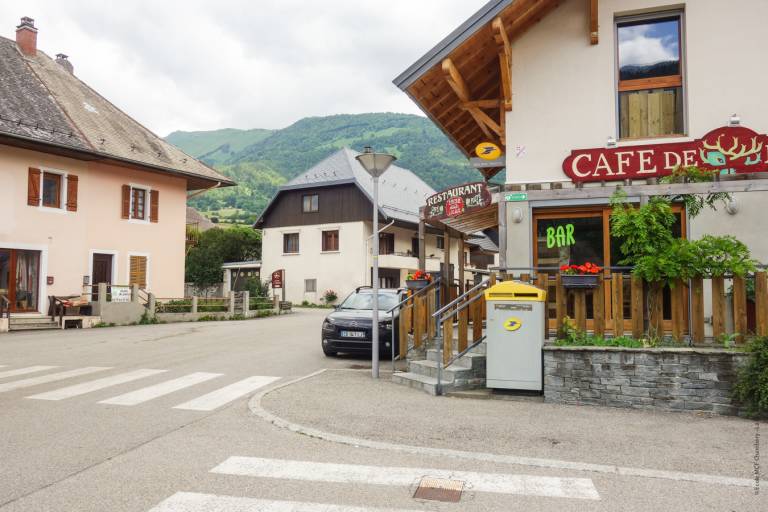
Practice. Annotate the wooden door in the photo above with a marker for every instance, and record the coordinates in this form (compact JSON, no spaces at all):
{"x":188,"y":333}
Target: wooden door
{"x":101,"y":273}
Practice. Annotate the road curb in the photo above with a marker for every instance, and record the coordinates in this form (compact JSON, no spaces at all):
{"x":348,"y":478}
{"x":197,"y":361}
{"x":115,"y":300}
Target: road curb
{"x":258,"y":410}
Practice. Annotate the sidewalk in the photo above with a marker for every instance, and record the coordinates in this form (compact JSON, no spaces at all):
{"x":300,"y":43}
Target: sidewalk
{"x":350,"y":403}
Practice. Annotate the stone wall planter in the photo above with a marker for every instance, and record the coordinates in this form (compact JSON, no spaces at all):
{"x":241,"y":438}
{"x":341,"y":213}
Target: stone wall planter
{"x":693,"y":379}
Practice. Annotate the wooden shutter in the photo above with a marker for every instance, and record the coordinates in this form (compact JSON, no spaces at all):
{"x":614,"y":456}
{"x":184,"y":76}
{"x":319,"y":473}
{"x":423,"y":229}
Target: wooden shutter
{"x":126,"y":202}
{"x":72,"y":193}
{"x":33,"y":187}
{"x":154,"y":198}
{"x":138,"y":271}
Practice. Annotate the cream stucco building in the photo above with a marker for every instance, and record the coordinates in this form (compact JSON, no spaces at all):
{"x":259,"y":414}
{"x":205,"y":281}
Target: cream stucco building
{"x":87,"y":194}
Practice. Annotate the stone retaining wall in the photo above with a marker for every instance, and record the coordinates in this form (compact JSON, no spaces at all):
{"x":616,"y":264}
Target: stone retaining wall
{"x":663,"y":378}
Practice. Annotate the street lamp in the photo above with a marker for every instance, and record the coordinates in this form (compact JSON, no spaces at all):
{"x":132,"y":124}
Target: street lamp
{"x":375,"y":164}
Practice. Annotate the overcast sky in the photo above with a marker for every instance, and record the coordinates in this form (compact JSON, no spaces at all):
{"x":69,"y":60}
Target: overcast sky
{"x":207,"y":64}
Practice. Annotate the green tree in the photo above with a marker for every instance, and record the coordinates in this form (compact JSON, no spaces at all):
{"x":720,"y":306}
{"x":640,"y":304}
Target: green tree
{"x":217,"y":246}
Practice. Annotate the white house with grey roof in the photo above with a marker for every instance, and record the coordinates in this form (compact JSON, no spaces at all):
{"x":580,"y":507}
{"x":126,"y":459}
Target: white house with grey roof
{"x":318,"y":229}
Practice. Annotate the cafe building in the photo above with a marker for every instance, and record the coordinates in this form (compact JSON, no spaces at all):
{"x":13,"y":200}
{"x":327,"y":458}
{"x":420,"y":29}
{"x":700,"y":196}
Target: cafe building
{"x":581,"y":97}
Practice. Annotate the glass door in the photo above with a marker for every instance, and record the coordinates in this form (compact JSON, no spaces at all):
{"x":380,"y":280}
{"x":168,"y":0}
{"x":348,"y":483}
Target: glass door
{"x":26,"y":280}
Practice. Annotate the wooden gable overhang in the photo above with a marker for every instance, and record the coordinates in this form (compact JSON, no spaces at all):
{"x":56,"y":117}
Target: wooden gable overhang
{"x":465,"y":83}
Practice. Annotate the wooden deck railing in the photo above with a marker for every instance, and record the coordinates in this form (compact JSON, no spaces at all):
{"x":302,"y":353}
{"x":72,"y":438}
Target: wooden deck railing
{"x":623,"y":304}
{"x":464,"y":310}
{"x":415,"y":317}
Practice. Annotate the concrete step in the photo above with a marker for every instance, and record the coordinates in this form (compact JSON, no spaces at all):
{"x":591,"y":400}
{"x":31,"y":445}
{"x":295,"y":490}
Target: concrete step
{"x":32,"y":323}
{"x":416,"y":381}
{"x":32,"y":327}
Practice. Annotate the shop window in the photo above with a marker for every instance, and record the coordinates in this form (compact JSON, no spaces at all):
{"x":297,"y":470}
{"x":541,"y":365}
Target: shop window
{"x":331,"y":240}
{"x":310,"y":203}
{"x":650,"y":81}
{"x":310,"y":285}
{"x":570,"y":240}
{"x":386,"y":243}
{"x":51,"y":190}
{"x":290,"y":243}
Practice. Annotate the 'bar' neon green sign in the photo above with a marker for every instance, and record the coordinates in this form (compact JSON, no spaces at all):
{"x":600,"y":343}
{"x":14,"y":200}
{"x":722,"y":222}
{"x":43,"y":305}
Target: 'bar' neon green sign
{"x":561,"y":236}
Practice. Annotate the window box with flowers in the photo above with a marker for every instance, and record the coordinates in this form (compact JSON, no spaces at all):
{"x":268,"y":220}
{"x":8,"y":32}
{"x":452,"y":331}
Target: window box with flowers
{"x":580,"y":276}
{"x":418,"y":280}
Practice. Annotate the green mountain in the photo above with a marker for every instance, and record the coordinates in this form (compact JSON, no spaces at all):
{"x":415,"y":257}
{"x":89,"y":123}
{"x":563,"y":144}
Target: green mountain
{"x":261,"y":166}
{"x":217,"y":146}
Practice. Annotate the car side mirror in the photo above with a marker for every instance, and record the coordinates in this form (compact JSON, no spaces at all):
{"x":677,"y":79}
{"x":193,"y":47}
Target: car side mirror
{"x":336,"y":307}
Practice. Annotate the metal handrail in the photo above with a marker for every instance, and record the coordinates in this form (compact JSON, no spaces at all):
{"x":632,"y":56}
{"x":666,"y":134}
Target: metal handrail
{"x":464,"y":352}
{"x":461,"y":307}
{"x":419,"y":292}
{"x":459,"y":298}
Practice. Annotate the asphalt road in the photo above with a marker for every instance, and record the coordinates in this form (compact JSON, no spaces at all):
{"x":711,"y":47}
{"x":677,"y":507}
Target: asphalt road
{"x":185,"y":439}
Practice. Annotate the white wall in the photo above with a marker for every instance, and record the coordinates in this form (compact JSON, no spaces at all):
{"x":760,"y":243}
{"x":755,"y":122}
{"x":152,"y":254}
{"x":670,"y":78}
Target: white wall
{"x":346,"y":269}
{"x":564,"y":88}
{"x":564,"y":97}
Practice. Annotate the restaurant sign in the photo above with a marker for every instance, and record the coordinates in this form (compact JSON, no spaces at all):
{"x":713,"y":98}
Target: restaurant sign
{"x":277,"y":279}
{"x":457,"y":200}
{"x":730,"y":150}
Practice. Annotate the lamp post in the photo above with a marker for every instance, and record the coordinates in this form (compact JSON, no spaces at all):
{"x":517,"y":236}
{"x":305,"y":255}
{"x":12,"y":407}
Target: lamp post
{"x":375,"y":164}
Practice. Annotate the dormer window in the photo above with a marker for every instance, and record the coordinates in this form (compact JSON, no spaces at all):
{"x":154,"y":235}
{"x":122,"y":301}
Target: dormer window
{"x":650,"y":77}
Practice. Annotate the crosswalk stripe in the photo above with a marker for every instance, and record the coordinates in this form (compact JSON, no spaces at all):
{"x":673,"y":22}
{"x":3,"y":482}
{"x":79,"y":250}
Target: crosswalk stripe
{"x":530,"y":485}
{"x":24,"y":371}
{"x":51,"y":377}
{"x":226,"y":394}
{"x":164,"y":388}
{"x":198,"y":502}
{"x":94,"y":385}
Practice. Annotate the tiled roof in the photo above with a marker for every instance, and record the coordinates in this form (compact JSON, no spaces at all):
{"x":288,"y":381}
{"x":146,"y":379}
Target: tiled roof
{"x":401,"y":192}
{"x":41,"y":101}
{"x":195,"y":217}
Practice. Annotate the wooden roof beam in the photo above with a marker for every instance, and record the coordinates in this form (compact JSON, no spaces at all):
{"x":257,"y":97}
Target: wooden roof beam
{"x":505,"y":60}
{"x":593,"y":22}
{"x":459,"y":86}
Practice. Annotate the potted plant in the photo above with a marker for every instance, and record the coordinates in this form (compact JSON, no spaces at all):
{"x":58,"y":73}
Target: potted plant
{"x":580,"y":276}
{"x":418,"y":280}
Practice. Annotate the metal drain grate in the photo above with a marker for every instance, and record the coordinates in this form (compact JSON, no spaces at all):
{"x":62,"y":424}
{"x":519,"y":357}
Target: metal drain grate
{"x":439,"y":489}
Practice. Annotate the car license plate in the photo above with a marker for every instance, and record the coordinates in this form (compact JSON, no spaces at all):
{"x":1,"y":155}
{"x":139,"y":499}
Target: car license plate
{"x":353,"y":334}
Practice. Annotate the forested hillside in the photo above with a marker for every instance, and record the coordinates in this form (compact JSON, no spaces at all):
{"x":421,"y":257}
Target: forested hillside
{"x":261,"y":160}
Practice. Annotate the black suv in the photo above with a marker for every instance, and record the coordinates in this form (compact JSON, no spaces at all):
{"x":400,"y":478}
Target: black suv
{"x":348,"y":328}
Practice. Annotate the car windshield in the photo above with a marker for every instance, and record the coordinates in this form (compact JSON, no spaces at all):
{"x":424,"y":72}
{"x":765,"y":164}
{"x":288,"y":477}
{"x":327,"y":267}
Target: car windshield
{"x":365,"y":301}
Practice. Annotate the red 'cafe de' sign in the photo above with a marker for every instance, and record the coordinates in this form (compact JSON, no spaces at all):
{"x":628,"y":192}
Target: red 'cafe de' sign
{"x":730,"y":150}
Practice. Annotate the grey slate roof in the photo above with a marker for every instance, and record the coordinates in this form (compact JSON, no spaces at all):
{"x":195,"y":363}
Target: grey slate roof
{"x":41,"y":101}
{"x":401,"y":192}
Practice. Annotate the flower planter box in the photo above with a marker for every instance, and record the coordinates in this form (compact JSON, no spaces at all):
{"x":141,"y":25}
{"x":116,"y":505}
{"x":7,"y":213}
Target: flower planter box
{"x":579,"y":281}
{"x":416,"y":284}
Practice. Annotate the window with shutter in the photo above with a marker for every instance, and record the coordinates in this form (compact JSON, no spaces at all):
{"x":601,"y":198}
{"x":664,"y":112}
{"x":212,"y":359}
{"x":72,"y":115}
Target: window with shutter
{"x":72,"y":193}
{"x":51,"y":190}
{"x":33,"y":187}
{"x":126,"y":211}
{"x":138,"y":271}
{"x":154,"y":205}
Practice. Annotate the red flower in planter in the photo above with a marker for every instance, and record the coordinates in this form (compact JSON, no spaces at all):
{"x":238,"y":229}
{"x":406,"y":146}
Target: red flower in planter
{"x":587,"y":268}
{"x":419,"y":274}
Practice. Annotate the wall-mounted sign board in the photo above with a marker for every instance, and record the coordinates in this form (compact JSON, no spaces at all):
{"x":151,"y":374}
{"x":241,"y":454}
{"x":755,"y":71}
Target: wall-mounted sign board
{"x":457,"y":200}
{"x":517,"y":196}
{"x":729,"y":150}
{"x":488,"y":151}
{"x":277,"y":279}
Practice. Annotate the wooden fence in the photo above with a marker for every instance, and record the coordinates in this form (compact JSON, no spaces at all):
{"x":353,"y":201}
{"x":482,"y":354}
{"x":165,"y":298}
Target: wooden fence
{"x":622,"y":304}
